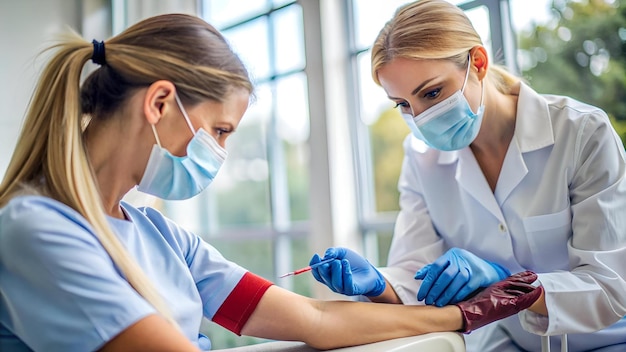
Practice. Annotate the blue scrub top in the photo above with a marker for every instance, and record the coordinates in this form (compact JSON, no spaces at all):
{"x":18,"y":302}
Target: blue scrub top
{"x":60,"y":290}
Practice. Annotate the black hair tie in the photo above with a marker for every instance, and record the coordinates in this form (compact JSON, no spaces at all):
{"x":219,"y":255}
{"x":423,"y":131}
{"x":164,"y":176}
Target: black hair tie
{"x":98,"y":53}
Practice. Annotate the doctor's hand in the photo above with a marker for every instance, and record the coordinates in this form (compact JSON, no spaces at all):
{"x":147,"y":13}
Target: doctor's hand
{"x":349,"y":274}
{"x":455,"y":275}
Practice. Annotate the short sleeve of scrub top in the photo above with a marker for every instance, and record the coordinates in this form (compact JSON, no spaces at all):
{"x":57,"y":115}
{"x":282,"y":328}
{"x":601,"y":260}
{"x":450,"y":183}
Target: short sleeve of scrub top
{"x":60,"y":291}
{"x":228,"y":292}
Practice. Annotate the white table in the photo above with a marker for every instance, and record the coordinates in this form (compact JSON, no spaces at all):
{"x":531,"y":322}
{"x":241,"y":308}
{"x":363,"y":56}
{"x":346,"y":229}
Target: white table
{"x":434,"y":342}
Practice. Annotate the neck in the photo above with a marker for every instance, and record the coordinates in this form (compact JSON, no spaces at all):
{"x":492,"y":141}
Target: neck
{"x":113,"y":154}
{"x":498,"y":126}
{"x":496,"y":133}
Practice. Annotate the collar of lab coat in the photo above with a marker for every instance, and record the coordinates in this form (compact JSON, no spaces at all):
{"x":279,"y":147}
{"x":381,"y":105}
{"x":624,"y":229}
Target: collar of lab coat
{"x":533,"y":127}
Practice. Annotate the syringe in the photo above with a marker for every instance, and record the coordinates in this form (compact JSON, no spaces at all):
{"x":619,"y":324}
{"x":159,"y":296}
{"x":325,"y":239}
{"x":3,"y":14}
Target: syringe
{"x":307,"y":268}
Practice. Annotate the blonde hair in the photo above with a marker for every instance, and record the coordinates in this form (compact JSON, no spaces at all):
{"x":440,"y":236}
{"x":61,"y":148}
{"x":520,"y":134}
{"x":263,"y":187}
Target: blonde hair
{"x":432,"y":30}
{"x":50,"y":155}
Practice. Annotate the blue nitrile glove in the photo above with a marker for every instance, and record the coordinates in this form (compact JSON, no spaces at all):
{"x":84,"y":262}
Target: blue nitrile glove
{"x":455,"y":275}
{"x":350,"y":274}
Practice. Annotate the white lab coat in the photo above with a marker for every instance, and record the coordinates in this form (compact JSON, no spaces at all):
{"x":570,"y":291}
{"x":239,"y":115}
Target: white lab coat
{"x":559,"y":209}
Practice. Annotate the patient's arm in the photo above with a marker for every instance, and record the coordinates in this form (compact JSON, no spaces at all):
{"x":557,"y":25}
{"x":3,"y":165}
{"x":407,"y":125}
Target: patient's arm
{"x":283,"y":315}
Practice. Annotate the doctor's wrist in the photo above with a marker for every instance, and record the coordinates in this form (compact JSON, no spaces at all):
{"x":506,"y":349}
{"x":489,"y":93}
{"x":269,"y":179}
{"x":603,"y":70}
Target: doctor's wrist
{"x":379,"y":287}
{"x":389,"y":295}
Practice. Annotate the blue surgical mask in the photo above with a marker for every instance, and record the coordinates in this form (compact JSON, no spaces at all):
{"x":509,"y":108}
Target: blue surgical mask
{"x":450,"y":124}
{"x":175,"y":178}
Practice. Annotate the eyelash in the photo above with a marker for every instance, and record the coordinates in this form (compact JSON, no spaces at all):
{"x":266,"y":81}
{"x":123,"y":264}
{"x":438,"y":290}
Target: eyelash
{"x":401,"y":105}
{"x":433,"y":94}
{"x":222,"y":131}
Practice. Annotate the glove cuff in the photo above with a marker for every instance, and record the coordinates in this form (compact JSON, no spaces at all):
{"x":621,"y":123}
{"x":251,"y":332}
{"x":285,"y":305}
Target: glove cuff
{"x":381,"y":284}
{"x":503,"y":272}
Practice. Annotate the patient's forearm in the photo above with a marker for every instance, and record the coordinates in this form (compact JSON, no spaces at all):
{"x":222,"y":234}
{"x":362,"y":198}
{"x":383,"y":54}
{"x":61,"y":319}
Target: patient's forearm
{"x":370,"y":322}
{"x":284,"y":315}
{"x":539,"y":306}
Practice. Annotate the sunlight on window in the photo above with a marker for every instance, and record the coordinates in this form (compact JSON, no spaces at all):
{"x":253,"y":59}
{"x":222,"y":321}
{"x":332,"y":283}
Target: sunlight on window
{"x":222,"y":13}
{"x":250,"y":42}
{"x":292,"y":113}
{"x":370,"y":17}
{"x":289,"y":39}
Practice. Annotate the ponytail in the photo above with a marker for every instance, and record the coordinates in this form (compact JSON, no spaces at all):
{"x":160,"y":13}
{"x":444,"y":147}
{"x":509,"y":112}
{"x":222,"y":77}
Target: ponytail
{"x":51,"y":157}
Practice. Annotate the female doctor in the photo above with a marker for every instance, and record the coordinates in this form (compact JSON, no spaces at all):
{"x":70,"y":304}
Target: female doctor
{"x":496,"y":179}
{"x":82,"y":271}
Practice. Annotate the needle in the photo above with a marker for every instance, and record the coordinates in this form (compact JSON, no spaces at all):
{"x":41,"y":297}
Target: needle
{"x":307,"y":268}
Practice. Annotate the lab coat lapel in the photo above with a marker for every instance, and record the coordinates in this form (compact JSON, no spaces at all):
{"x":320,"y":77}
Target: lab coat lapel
{"x":513,"y":172}
{"x":533,"y":125}
{"x":533,"y":131}
{"x":471,"y":179}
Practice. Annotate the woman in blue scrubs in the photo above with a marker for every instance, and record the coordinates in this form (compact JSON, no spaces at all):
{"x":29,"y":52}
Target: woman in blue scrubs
{"x":81,"y":270}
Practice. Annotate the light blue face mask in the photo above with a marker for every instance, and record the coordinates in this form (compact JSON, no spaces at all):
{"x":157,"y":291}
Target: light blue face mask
{"x":450,"y":124}
{"x":175,"y":178}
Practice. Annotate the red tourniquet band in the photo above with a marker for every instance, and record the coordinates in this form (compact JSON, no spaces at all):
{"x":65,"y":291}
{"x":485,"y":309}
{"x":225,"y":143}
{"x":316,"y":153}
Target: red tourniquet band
{"x":239,"y":305}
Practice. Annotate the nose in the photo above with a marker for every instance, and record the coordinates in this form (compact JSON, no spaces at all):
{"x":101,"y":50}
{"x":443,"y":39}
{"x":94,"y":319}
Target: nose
{"x":413,"y":112}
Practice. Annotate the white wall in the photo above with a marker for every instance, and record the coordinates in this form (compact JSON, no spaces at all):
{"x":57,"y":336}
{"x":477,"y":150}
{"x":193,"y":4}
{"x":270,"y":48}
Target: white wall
{"x":127,"y":12}
{"x":25,"y":26}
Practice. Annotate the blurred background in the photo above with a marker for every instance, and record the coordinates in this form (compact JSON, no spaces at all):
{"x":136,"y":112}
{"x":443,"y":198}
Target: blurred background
{"x":317,"y":156}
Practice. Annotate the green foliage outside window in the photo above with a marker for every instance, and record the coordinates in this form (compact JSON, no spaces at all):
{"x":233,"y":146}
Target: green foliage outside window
{"x":582,"y":54}
{"x":387,"y":135}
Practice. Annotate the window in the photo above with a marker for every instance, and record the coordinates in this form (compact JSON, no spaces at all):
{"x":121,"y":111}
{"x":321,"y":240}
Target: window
{"x":256,"y":214}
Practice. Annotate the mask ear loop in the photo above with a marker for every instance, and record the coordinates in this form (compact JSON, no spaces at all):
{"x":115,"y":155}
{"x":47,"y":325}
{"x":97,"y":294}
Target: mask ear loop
{"x":482,"y":82}
{"x":482,"y":94}
{"x":469,"y":61}
{"x":156,"y":136}
{"x":182,"y":109}
{"x":180,"y":106}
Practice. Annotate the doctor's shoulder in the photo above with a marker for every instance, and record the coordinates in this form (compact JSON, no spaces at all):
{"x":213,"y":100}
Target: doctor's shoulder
{"x":27,"y":219}
{"x":578,"y":120}
{"x":574,"y":111}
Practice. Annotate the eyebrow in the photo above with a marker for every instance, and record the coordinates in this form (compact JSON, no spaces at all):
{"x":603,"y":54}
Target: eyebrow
{"x":421,"y":86}
{"x":418,"y":87}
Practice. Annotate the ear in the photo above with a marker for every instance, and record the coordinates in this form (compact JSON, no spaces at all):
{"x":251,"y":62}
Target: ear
{"x":480,"y":60}
{"x":159,"y":96}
